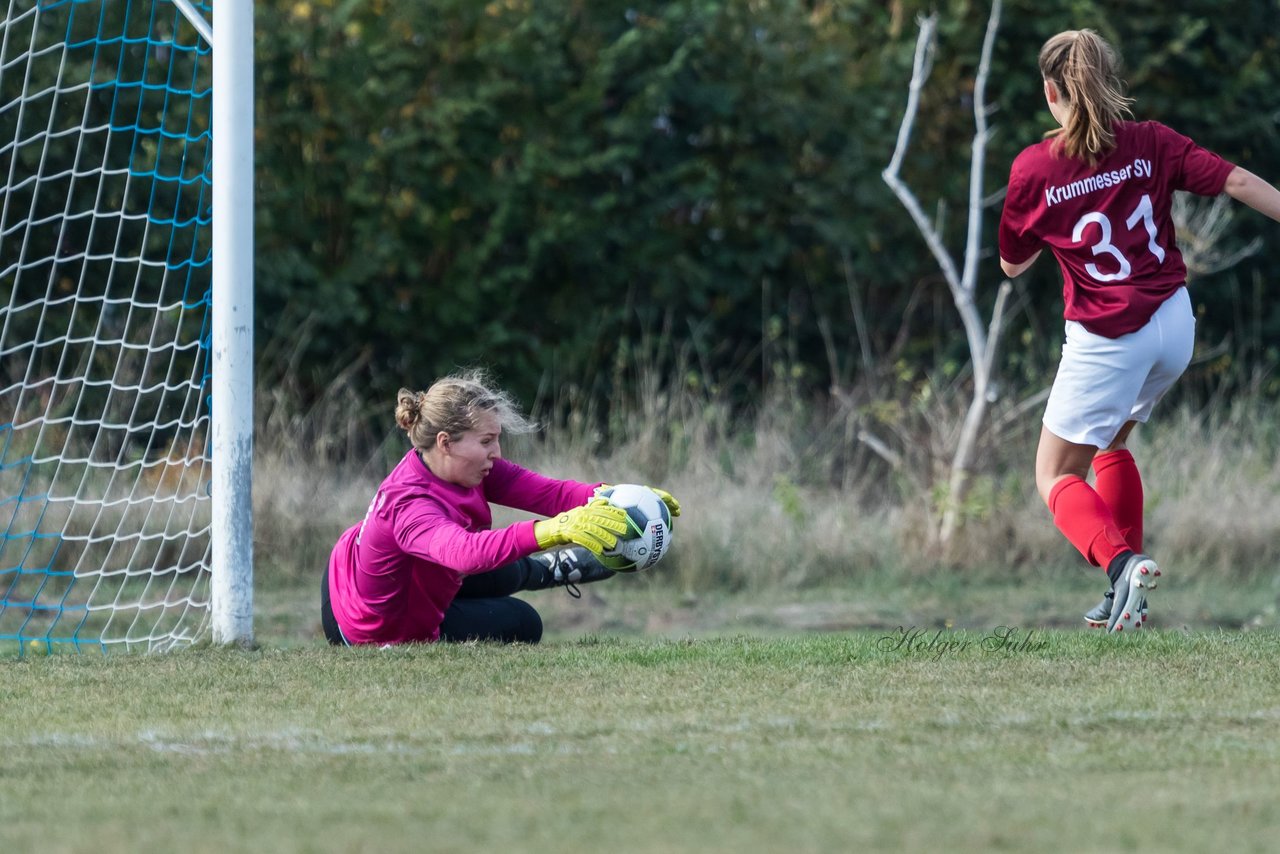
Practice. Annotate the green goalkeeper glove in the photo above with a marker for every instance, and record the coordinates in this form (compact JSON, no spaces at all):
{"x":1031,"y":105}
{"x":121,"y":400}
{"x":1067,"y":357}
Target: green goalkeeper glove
{"x":668,"y":499}
{"x":595,"y":526}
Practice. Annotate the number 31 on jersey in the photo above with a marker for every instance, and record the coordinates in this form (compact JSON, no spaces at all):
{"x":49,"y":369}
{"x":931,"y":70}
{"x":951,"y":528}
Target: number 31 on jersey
{"x":1142,"y":213}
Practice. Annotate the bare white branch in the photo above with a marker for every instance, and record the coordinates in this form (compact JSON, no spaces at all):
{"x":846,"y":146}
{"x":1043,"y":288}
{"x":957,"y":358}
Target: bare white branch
{"x":919,"y":74}
{"x":961,"y":294}
{"x":977,"y":162}
{"x":967,"y":444}
{"x":875,"y":443}
{"x":982,"y":371}
{"x":859,"y":317}
{"x":1201,"y":226}
{"x":982,"y":340}
{"x":1014,"y":415}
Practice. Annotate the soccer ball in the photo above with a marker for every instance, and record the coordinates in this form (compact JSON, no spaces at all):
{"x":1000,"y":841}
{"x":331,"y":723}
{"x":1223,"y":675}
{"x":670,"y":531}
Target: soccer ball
{"x":649,"y":523}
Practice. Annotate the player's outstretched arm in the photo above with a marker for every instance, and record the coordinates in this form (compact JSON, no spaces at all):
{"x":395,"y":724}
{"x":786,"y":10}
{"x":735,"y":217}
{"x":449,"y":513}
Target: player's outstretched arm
{"x":1244,"y":186}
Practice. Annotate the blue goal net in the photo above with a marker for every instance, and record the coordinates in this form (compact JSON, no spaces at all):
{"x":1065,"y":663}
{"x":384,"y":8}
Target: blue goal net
{"x":105,"y":254}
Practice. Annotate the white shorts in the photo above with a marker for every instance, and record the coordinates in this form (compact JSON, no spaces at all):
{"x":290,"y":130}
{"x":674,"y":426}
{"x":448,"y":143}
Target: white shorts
{"x":1104,"y":382}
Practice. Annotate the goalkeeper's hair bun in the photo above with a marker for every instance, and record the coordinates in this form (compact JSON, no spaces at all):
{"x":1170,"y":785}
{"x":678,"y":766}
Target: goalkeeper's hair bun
{"x":453,"y":405}
{"x":408,"y":408}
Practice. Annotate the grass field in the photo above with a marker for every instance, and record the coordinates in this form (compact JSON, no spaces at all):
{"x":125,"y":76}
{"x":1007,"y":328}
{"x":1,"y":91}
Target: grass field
{"x":949,"y":739}
{"x":756,"y":694}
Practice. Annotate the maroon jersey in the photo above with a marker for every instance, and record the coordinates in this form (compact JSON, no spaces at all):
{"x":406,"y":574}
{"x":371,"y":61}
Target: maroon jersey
{"x":1109,"y":225}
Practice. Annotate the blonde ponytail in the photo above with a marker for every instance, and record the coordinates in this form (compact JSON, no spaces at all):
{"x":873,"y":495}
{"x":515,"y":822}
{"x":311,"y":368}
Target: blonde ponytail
{"x":1085,"y":70}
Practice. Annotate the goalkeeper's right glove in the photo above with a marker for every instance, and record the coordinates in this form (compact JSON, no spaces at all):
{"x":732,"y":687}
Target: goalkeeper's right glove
{"x":594,"y":525}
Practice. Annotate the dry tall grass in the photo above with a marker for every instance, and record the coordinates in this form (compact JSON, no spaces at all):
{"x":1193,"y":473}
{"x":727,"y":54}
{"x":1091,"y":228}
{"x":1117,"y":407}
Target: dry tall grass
{"x":782,"y":498}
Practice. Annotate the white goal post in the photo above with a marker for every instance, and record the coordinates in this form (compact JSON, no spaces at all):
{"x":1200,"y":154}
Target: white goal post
{"x":233,"y":322}
{"x":126,"y":324}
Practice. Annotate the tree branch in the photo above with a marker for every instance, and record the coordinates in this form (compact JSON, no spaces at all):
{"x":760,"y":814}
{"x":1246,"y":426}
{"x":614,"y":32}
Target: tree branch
{"x":962,"y":298}
{"x":982,"y":340}
{"x":978,"y":161}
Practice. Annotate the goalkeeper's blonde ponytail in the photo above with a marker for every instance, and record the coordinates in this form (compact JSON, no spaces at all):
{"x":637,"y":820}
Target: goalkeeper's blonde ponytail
{"x":453,"y":405}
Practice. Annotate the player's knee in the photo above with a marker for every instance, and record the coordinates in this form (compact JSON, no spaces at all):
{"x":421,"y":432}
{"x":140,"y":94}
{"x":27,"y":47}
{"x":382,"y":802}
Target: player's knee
{"x":526,"y":623}
{"x":1050,"y":471}
{"x":1046,"y":482}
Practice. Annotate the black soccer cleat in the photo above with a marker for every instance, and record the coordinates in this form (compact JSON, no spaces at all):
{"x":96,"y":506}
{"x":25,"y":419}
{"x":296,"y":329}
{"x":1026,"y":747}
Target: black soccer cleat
{"x":568,"y":567}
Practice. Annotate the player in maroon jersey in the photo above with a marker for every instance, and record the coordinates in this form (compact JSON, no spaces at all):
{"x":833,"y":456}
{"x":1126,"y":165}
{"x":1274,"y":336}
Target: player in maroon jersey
{"x":1097,"y":194}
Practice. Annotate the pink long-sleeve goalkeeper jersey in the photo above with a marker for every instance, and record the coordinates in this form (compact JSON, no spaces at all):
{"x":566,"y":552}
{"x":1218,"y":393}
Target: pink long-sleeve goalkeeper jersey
{"x":393,"y":576}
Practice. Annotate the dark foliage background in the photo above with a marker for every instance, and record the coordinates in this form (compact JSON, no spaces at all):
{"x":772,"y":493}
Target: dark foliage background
{"x":541,"y":186}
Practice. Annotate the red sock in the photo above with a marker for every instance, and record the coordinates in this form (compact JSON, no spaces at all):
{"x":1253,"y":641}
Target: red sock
{"x":1119,"y":484}
{"x":1084,"y":518}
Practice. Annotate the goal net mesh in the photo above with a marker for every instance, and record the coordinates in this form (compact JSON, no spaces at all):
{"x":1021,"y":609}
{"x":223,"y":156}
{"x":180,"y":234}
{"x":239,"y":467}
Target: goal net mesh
{"x":105,"y":255}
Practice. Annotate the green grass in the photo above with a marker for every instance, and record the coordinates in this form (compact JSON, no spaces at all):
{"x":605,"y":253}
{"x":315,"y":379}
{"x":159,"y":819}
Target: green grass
{"x":648,"y":605}
{"x":822,"y":742}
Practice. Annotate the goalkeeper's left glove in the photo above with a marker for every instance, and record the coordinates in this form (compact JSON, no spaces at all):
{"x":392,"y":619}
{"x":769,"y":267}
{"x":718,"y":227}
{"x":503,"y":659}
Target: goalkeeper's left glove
{"x":673,"y":506}
{"x":669,"y":500}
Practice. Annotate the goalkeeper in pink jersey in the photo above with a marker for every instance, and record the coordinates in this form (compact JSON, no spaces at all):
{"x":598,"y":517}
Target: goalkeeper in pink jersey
{"x":424,"y":565}
{"x":1097,"y":194}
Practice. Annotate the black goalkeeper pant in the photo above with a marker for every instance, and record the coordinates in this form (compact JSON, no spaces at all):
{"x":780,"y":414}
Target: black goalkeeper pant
{"x":483,"y":610}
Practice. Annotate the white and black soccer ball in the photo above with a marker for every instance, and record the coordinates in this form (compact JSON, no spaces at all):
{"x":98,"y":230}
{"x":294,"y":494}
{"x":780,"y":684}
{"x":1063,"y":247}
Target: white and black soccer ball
{"x":649,"y":528}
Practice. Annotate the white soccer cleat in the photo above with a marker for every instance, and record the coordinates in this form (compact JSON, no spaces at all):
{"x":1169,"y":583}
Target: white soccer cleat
{"x":1131,"y":593}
